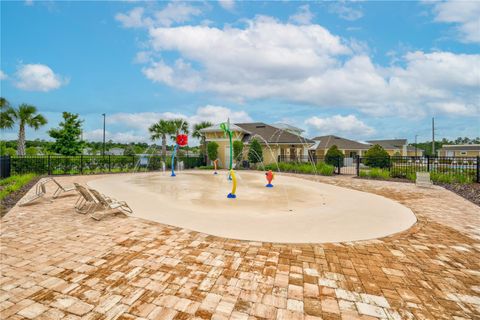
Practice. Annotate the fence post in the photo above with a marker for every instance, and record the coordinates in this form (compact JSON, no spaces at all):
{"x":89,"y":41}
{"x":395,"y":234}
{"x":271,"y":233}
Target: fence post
{"x":358,"y":165}
{"x":5,"y":166}
{"x":428,"y":163}
{"x":109,"y":163}
{"x":49,"y":166}
{"x":478,"y":169}
{"x":338,"y":164}
{"x":81,"y":163}
{"x":133,"y":162}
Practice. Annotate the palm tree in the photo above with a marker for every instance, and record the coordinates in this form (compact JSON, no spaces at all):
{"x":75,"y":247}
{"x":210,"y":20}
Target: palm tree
{"x":6,"y":120}
{"x":26,"y":115}
{"x":199,"y":135}
{"x":179,"y":126}
{"x":160,"y":130}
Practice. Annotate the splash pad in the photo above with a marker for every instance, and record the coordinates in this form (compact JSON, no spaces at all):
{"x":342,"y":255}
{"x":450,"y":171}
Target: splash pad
{"x":295,"y":211}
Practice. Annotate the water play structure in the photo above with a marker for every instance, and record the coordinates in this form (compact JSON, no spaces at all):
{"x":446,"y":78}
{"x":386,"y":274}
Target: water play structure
{"x":269,"y":176}
{"x":182,"y":140}
{"x":225,"y":126}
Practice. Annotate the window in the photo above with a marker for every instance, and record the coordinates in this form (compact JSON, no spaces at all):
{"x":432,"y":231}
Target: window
{"x":463,"y":153}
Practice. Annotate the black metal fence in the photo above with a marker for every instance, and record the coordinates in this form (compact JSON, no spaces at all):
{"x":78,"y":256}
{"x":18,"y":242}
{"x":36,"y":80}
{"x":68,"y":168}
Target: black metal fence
{"x":86,"y":164}
{"x":461,"y":168}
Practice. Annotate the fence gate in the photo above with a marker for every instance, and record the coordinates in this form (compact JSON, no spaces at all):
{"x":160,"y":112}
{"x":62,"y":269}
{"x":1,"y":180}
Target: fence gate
{"x":5,"y":167}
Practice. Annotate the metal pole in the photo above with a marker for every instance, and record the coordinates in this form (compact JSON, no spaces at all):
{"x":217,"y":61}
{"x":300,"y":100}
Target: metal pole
{"x":416,"y":145}
{"x":433,"y":136}
{"x":478,"y":169}
{"x":104,"y":115}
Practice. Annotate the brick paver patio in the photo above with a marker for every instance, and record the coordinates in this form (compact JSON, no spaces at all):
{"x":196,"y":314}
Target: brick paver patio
{"x":57,"y":264}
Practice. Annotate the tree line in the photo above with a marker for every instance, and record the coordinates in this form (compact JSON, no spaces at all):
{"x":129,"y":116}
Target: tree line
{"x":67,"y":137}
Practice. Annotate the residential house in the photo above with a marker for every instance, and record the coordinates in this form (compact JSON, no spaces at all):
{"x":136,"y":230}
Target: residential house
{"x":460,"y":150}
{"x":398,"y":147}
{"x":349,"y":148}
{"x":115,"y":151}
{"x":276,"y":142}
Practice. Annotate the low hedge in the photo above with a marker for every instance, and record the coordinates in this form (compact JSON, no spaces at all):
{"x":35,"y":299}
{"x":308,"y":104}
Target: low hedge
{"x":308,"y":168}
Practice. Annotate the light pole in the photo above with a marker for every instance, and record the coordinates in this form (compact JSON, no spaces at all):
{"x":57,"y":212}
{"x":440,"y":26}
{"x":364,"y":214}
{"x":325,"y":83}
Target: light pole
{"x":416,"y":145}
{"x":104,"y":115}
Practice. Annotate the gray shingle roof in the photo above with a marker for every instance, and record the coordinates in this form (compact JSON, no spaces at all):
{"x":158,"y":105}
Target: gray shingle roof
{"x":466,"y":147}
{"x":390,"y":144}
{"x":325,"y":142}
{"x":270,"y":134}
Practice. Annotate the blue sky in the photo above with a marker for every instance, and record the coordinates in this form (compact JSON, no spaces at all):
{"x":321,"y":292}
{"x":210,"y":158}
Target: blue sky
{"x":361,"y":70}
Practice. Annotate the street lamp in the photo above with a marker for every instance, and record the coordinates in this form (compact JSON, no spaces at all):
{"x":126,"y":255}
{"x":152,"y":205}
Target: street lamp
{"x":103,"y":114}
{"x":416,"y":145}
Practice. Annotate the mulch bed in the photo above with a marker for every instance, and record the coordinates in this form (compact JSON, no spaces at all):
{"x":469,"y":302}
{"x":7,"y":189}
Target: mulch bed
{"x":469,"y":191}
{"x":391,"y":179}
{"x":9,"y":201}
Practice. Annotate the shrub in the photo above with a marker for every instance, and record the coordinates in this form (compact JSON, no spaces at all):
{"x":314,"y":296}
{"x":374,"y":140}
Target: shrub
{"x":237,"y":150}
{"x":375,"y":173}
{"x":212,"y":150}
{"x":377,"y":157}
{"x":14,"y":183}
{"x":307,"y":168}
{"x":255,"y":153}
{"x":450,"y":178}
{"x":334,"y":156}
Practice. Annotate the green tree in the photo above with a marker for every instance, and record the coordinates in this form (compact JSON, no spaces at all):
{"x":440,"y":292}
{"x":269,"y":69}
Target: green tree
{"x":26,"y":115}
{"x":199,"y":135}
{"x":31,"y":151}
{"x":179,"y":126}
{"x":212,"y":150}
{"x":377,"y":157}
{"x":334,"y":156}
{"x":237,"y":150}
{"x":68,"y":136}
{"x":129,"y":150}
{"x":5,"y":150}
{"x":6,"y":119}
{"x":161,"y":130}
{"x":255,"y":153}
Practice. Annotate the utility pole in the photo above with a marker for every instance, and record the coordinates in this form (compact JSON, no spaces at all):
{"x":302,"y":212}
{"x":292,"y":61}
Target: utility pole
{"x":416,"y":145}
{"x":104,"y":115}
{"x":433,"y":136}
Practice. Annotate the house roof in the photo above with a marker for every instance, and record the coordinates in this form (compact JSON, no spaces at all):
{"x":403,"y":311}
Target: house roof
{"x":270,"y":134}
{"x":463,"y":147}
{"x":216,"y":127}
{"x":325,"y":142}
{"x":390,"y":144}
{"x":288,"y":127}
{"x":412,"y":148}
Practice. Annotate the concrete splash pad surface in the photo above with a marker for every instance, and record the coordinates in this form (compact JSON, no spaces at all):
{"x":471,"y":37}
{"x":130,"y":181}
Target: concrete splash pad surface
{"x":294,"y":211}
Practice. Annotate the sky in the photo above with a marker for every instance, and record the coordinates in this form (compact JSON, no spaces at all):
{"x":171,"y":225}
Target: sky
{"x":357,"y":69}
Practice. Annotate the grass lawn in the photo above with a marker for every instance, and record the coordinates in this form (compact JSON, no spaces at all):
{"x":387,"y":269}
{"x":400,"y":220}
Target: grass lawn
{"x":12,"y":187}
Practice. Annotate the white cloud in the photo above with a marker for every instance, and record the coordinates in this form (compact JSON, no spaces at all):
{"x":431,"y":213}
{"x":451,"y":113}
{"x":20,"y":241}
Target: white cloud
{"x":3,"y":75}
{"x":465,"y":14}
{"x":28,"y":3}
{"x":340,"y":125}
{"x":174,"y":12}
{"x":38,"y":77}
{"x":308,"y":64}
{"x":122,"y":137}
{"x":303,"y":15}
{"x":227,"y":4}
{"x":345,"y":11}
{"x":214,"y":114}
{"x":133,"y":19}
